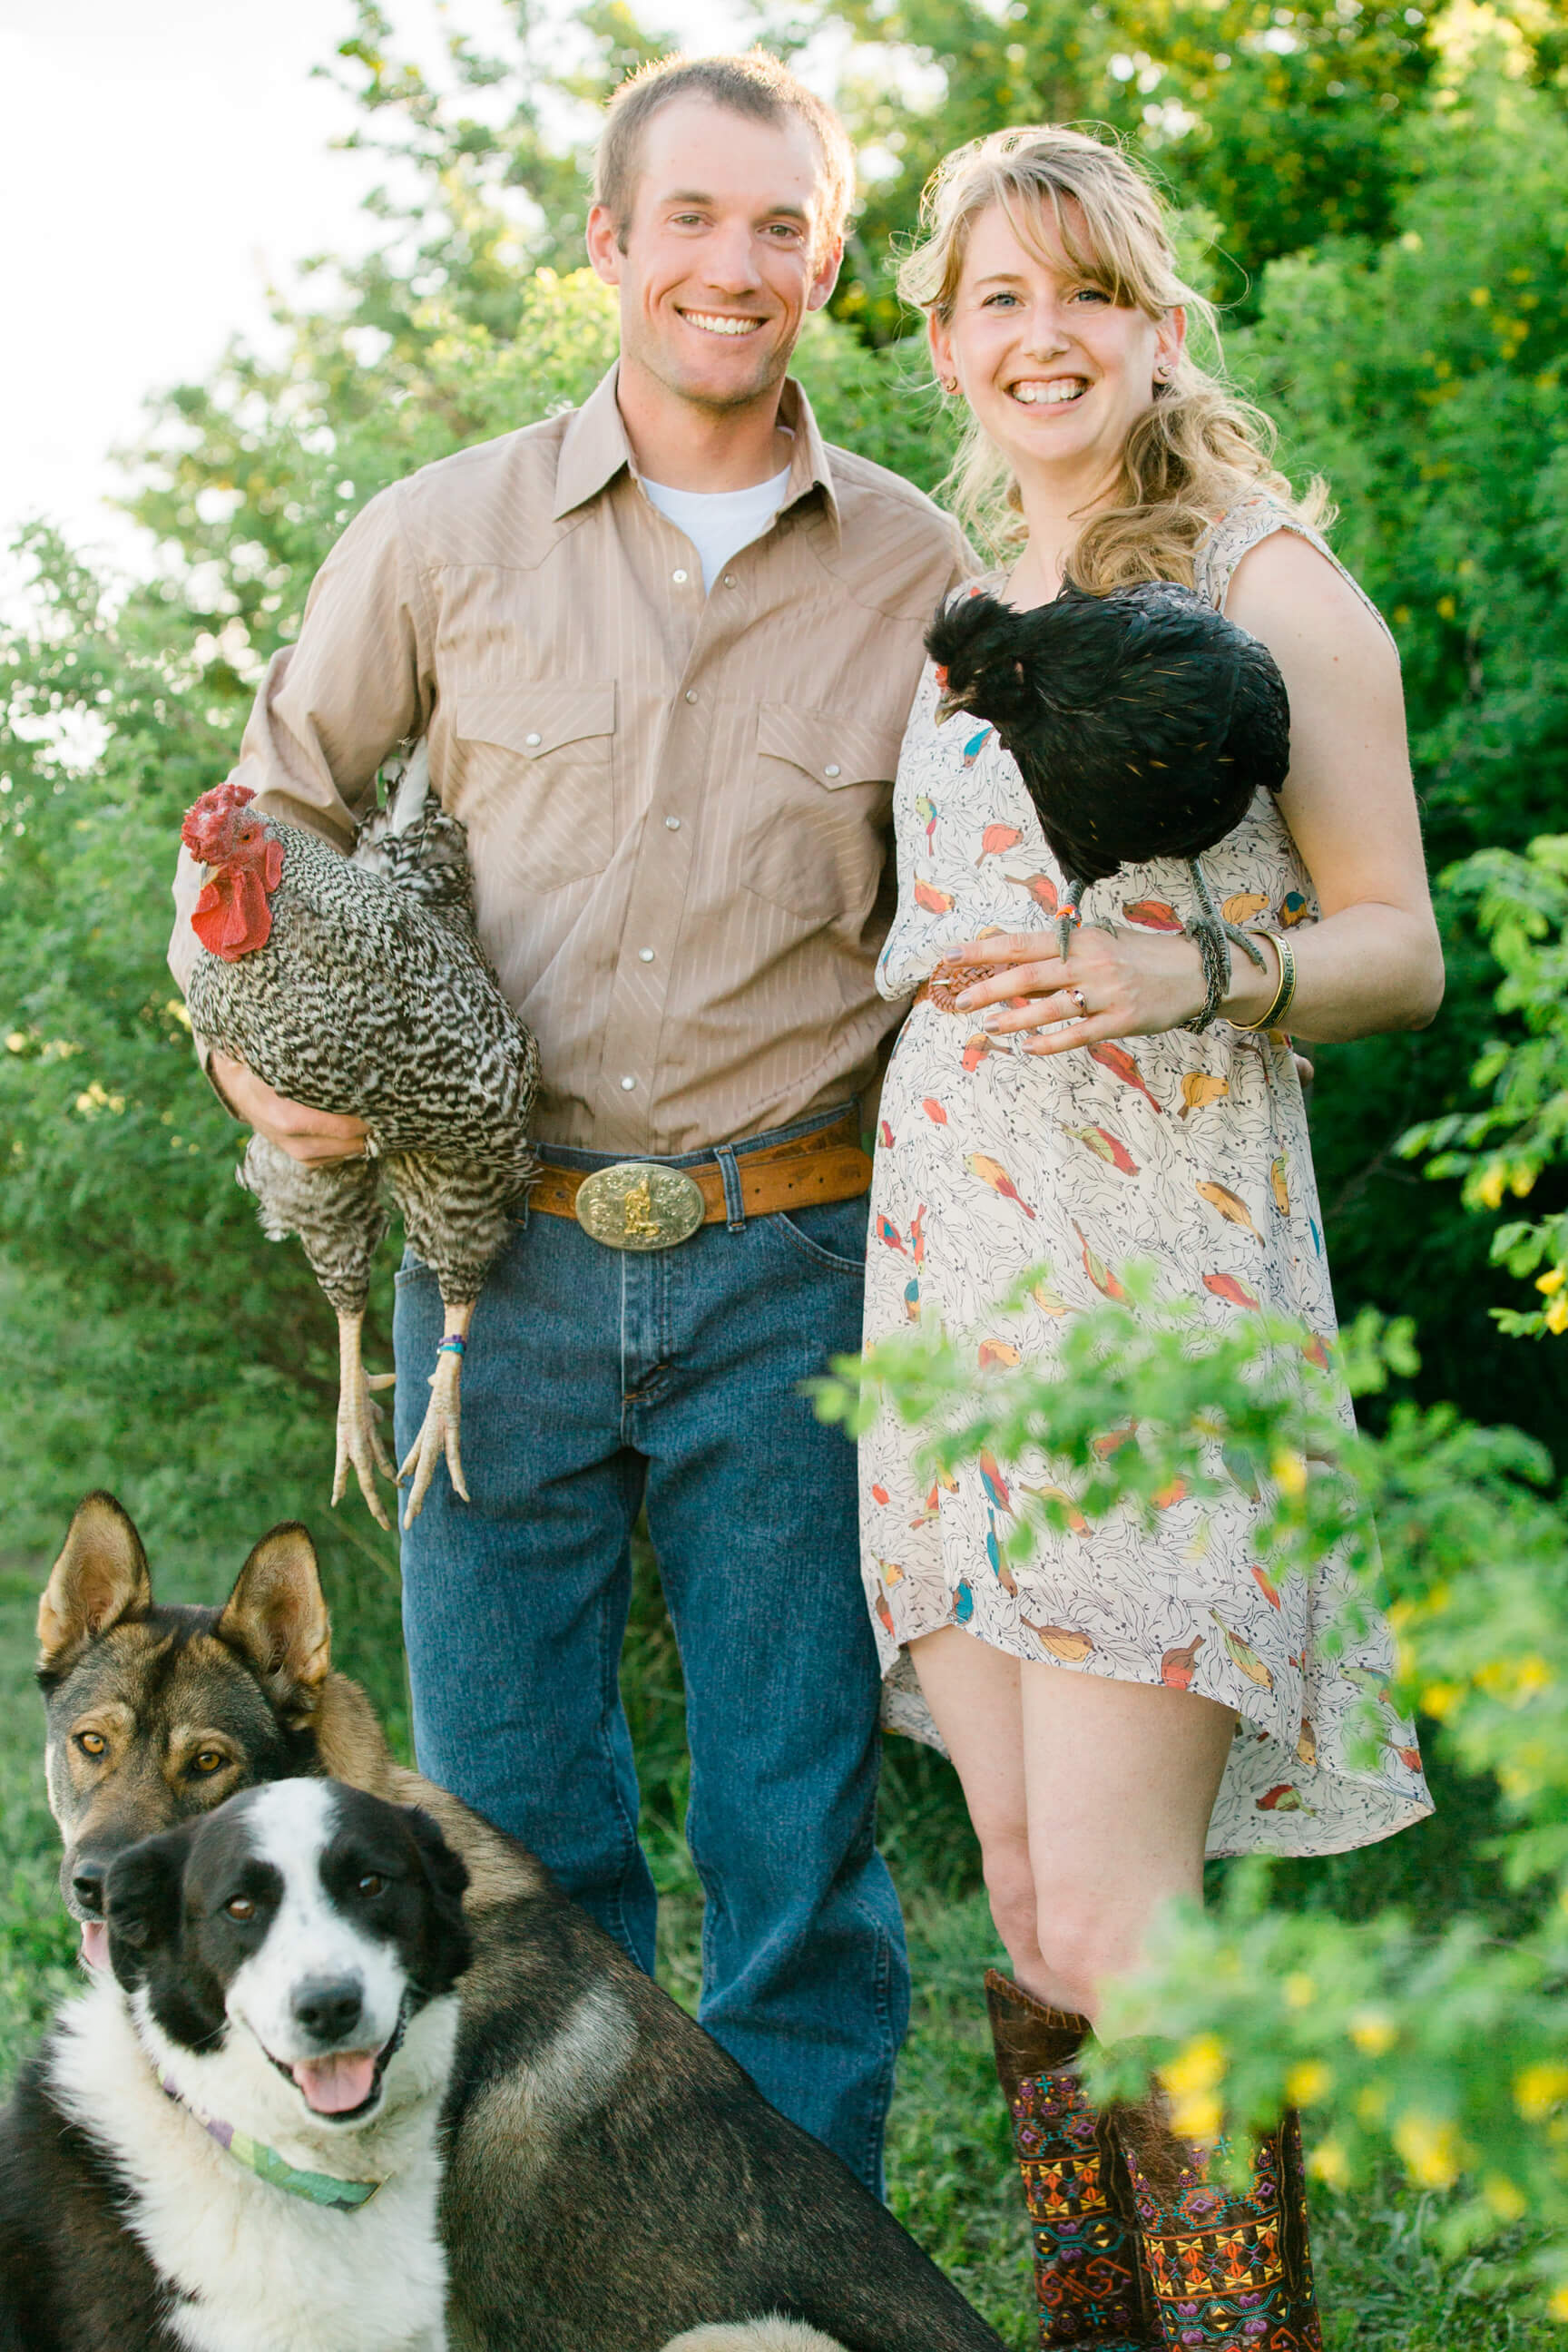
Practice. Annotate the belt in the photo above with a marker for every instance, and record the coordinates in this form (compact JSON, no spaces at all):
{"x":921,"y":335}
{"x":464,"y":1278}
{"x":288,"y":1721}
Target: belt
{"x":944,"y":992}
{"x":646,"y":1204}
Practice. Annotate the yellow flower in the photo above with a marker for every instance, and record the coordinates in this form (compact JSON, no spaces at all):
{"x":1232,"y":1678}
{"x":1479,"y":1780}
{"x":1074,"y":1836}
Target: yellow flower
{"x":1300,"y":1992}
{"x":1557,"y":1314}
{"x":1329,"y":2162}
{"x":1558,"y":2306}
{"x":1551,"y":1282}
{"x":1538,"y":2089}
{"x":1308,"y":2081}
{"x":1439,"y":1699}
{"x":1372,"y":2102}
{"x":1198,"y":2115}
{"x":1446,"y":607}
{"x":1520,"y":1180}
{"x":1199,"y":2067}
{"x":1488,"y":1190}
{"x":1507,"y":2201}
{"x":1430,"y":2146}
{"x":1481,"y":296}
{"x":1288,"y":1470}
{"x":1373,"y":2031}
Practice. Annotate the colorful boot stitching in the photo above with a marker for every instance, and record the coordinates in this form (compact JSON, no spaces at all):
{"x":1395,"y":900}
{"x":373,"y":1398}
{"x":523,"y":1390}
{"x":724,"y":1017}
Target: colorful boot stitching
{"x":1087,"y":2278}
{"x":1229,"y":2271}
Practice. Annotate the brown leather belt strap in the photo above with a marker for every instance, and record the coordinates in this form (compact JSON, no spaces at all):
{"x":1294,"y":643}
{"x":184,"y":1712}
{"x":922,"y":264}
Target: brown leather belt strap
{"x":826,"y":1166}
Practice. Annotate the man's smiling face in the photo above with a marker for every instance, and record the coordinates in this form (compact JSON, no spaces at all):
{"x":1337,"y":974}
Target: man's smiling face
{"x":724,"y":253}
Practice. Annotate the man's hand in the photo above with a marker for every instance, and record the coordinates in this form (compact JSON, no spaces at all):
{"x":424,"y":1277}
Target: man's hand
{"x":317,"y":1138}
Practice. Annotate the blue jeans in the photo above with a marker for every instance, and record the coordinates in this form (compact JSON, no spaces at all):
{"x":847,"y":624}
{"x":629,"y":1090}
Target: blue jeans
{"x":597,"y":1379}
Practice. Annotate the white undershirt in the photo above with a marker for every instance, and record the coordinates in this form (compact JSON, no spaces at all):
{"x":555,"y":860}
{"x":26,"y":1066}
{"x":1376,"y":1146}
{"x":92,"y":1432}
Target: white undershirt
{"x":719,"y":523}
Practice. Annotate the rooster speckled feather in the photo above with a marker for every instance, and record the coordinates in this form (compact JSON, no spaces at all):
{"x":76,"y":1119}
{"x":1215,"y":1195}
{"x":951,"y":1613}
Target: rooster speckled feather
{"x":357,"y":985}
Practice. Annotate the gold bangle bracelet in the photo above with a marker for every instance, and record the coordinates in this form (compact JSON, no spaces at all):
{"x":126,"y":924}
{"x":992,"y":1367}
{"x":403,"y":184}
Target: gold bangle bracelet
{"x":1284,"y":994}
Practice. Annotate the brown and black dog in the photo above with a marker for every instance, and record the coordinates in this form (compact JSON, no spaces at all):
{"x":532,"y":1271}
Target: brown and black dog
{"x":613,"y":2178}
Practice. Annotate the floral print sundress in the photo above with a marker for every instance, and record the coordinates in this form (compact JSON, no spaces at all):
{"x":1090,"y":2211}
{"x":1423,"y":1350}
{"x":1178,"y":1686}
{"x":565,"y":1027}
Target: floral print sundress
{"x":1188,"y":1151}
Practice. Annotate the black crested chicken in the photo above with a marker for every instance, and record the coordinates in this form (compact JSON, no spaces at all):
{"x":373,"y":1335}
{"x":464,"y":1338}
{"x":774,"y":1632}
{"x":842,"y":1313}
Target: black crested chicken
{"x":358,"y":985}
{"x":1142,"y":723}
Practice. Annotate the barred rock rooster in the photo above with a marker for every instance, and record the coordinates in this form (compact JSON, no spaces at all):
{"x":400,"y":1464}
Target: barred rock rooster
{"x":1143,"y":722}
{"x":357,"y":985}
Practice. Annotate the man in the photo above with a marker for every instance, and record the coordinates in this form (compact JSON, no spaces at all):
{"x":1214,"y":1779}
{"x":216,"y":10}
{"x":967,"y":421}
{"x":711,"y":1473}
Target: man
{"x":662,"y":650}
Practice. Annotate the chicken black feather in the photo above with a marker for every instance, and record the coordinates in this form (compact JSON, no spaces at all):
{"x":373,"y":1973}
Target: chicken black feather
{"x":1142,"y":723}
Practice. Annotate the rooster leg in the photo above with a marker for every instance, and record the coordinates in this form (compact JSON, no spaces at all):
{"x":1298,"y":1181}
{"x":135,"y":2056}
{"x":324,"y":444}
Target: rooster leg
{"x":359,"y":1440}
{"x":1211,"y":930}
{"x":443,"y":1419}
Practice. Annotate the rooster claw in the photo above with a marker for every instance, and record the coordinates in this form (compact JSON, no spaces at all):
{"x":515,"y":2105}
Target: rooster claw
{"x":359,"y":1439}
{"x":1220,"y":928}
{"x":438,"y":1438}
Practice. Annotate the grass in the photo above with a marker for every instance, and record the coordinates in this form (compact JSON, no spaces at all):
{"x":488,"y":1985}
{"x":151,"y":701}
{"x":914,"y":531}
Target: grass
{"x":1384,"y":2283}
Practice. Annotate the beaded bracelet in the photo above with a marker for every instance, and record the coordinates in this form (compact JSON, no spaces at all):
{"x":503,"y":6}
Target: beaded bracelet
{"x":1285,"y":993}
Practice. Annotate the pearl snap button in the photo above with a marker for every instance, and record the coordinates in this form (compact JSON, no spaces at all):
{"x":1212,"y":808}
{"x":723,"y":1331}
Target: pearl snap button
{"x":672,"y":824}
{"x":645,"y":955}
{"x":832,"y":768}
{"x":691,"y":694}
{"x":532,"y":739}
{"x":626,"y":1084}
{"x":679,"y":578}
{"x":729,"y":579}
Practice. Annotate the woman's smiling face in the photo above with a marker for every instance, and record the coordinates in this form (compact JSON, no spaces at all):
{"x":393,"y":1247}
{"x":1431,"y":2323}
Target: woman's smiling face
{"x":1055,"y":373}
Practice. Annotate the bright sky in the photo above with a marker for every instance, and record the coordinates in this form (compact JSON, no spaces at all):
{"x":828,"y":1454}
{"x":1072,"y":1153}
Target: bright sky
{"x":164,"y":162}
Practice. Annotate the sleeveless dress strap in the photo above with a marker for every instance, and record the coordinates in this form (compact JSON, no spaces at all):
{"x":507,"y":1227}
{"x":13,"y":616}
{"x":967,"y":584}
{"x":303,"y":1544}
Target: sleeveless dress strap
{"x":1235,"y":533}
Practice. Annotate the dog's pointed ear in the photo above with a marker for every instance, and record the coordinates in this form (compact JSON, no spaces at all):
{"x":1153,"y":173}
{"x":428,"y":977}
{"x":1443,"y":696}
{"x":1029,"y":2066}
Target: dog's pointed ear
{"x":277,"y":1614}
{"x":100,"y":1577}
{"x":141,"y":1900}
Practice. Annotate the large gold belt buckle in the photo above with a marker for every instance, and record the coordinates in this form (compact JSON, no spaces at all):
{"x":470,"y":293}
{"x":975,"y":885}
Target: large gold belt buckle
{"x":638,"y":1206}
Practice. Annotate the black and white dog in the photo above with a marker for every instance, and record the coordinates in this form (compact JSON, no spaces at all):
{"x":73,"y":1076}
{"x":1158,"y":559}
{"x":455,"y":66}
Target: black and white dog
{"x":231,"y":2143}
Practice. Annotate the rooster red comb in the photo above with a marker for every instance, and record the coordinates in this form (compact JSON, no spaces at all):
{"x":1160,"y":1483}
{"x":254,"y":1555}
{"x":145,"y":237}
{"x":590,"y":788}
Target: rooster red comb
{"x":245,"y":864}
{"x":208,"y":829}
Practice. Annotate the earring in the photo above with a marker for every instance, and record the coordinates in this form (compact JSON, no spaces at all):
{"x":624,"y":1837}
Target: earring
{"x":948,"y":384}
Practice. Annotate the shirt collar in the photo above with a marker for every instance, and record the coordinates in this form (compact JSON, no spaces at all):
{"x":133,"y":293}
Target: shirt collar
{"x":594,"y":448}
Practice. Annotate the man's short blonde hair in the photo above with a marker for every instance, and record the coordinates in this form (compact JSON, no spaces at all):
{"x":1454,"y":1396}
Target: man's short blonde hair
{"x":755,"y":84}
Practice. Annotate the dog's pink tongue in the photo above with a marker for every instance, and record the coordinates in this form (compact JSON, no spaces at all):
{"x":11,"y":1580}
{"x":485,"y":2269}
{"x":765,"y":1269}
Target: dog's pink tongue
{"x":332,"y":2085}
{"x":94,"y":1943}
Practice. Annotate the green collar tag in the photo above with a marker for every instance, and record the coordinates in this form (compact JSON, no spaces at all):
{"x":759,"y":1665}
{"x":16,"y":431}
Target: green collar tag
{"x":316,"y":2188}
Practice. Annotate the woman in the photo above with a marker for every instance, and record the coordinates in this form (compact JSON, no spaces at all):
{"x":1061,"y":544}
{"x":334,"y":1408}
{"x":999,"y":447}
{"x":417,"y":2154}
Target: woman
{"x":1126,"y":1699}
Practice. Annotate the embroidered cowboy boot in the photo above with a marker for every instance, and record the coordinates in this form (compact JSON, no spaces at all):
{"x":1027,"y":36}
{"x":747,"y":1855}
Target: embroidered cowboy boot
{"x":1088,"y":2283}
{"x":1228,"y":2270}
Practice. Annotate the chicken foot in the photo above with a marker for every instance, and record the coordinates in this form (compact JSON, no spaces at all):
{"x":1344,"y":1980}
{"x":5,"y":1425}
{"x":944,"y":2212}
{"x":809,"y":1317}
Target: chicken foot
{"x":1211,"y":928}
{"x":439,"y":1436}
{"x":359,"y":1439}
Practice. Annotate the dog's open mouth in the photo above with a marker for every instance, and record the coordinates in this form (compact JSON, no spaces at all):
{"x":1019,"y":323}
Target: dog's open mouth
{"x":94,"y":1944}
{"x":345,"y":2084}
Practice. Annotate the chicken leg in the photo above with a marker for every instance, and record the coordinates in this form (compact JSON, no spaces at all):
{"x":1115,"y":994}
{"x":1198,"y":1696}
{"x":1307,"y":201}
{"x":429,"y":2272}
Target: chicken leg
{"x":439,"y":1433}
{"x":359,"y":1439}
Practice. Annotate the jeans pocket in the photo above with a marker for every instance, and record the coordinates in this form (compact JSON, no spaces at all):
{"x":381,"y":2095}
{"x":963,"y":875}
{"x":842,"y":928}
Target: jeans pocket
{"x":413,"y":1269}
{"x":831,"y":1234}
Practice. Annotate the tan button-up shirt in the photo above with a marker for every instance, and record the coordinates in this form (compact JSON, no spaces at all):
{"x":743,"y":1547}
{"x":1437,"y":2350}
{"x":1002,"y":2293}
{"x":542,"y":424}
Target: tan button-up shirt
{"x":678,"y":805}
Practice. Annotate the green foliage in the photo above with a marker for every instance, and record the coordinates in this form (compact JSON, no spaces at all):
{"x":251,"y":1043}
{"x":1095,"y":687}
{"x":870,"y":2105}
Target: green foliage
{"x":1440,"y":2049}
{"x":1522,"y":906}
{"x":1424,"y":378}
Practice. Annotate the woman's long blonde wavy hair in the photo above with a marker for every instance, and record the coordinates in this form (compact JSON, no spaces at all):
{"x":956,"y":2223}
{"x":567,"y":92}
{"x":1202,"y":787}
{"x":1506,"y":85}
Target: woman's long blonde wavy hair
{"x":1198,"y":450}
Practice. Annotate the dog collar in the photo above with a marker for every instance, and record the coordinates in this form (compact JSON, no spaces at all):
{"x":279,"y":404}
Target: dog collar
{"x":316,"y":2188}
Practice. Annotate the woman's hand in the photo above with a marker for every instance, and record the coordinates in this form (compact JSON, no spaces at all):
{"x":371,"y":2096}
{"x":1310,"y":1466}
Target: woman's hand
{"x":1112,"y":983}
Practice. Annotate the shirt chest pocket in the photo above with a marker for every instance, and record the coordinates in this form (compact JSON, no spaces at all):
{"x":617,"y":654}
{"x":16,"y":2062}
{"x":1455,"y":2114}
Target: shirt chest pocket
{"x":537,"y":779}
{"x":817,"y":839}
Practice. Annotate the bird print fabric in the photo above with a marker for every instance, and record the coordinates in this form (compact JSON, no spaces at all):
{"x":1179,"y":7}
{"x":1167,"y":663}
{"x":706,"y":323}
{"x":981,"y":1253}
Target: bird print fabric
{"x":1188,"y":1151}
